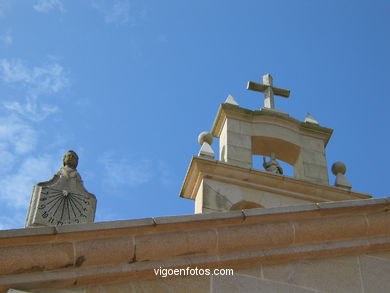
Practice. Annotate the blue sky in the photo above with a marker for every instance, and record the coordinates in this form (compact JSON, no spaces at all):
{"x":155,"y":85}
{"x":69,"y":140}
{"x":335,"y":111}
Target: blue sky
{"x":129,"y":85}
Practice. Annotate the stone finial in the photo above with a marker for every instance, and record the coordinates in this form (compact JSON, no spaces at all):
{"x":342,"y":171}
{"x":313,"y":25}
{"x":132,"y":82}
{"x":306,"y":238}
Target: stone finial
{"x":231,"y":100}
{"x":63,"y":199}
{"x":205,"y":136}
{"x":339,"y":169}
{"x":205,"y":139}
{"x":310,"y":119}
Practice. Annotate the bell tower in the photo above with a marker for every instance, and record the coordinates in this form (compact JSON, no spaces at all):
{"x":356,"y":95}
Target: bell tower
{"x":230,"y":182}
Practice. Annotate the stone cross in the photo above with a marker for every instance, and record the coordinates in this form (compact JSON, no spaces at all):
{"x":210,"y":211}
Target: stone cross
{"x":269,"y":90}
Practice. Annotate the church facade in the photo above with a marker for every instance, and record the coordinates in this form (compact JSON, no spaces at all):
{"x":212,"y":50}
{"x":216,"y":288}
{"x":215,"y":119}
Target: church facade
{"x":252,"y":231}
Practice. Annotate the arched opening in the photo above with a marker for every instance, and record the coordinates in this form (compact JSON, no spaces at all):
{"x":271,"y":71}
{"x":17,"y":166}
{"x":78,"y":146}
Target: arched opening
{"x":245,"y":205}
{"x":284,"y":150}
{"x":257,"y":163}
{"x":286,"y":153}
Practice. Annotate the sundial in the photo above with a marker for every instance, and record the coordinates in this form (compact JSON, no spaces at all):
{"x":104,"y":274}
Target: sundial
{"x":63,"y":199}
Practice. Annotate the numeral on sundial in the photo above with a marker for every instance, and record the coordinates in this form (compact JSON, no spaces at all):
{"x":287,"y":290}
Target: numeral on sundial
{"x":61,"y":206}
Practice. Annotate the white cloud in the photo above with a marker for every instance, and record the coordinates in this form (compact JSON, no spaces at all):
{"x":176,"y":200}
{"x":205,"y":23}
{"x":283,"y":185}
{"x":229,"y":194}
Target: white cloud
{"x":6,"y":38}
{"x":7,"y":161}
{"x":45,"y":6}
{"x":119,"y":172}
{"x":12,"y":221}
{"x":119,"y":12}
{"x":16,"y":187}
{"x":16,"y":136}
{"x":31,"y":109}
{"x":39,"y":80}
{"x":20,"y":169}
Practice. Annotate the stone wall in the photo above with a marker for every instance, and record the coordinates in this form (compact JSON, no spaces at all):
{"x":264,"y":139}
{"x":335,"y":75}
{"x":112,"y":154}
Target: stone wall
{"x":354,"y":273}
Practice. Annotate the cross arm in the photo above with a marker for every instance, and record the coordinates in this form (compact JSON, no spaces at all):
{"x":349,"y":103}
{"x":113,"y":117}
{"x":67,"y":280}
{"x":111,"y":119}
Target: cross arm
{"x":259,"y":87}
{"x":281,"y":92}
{"x":254,"y":86}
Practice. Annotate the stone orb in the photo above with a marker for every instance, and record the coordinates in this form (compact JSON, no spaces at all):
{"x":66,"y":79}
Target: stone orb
{"x":205,"y":136}
{"x":339,"y":167}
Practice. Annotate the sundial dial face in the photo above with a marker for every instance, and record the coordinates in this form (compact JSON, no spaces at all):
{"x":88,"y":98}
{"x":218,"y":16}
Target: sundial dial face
{"x":59,"y":207}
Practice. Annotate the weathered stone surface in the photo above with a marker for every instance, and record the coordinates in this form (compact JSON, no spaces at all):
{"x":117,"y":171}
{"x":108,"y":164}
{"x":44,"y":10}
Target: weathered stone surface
{"x":242,"y":283}
{"x":256,"y":236}
{"x":279,"y":236}
{"x":159,"y":285}
{"x":33,"y":258}
{"x":338,"y":274}
{"x":375,"y":274}
{"x":107,"y":250}
{"x":330,"y":228}
{"x":221,"y":196}
{"x":174,"y":244}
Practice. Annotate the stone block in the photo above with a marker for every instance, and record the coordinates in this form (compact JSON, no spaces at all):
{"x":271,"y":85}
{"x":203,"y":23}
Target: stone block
{"x":338,"y":274}
{"x":240,"y":140}
{"x":238,"y":154}
{"x":379,"y":223}
{"x":238,"y":126}
{"x":36,"y":258}
{"x":330,"y":228}
{"x":185,"y":284}
{"x":282,"y":210}
{"x":385,"y":255}
{"x":136,"y":223}
{"x":313,"y":143}
{"x":375,"y":274}
{"x":174,"y":244}
{"x":220,"y":196}
{"x":33,"y":231}
{"x":104,"y":251}
{"x":352,"y":203}
{"x":315,"y":170}
{"x":255,"y":236}
{"x":117,"y":287}
{"x":242,"y":283}
{"x":313,"y":157}
{"x":253,"y":270}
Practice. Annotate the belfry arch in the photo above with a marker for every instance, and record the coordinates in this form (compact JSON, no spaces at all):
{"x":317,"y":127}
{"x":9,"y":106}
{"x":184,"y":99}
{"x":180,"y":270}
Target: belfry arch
{"x":245,"y":133}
